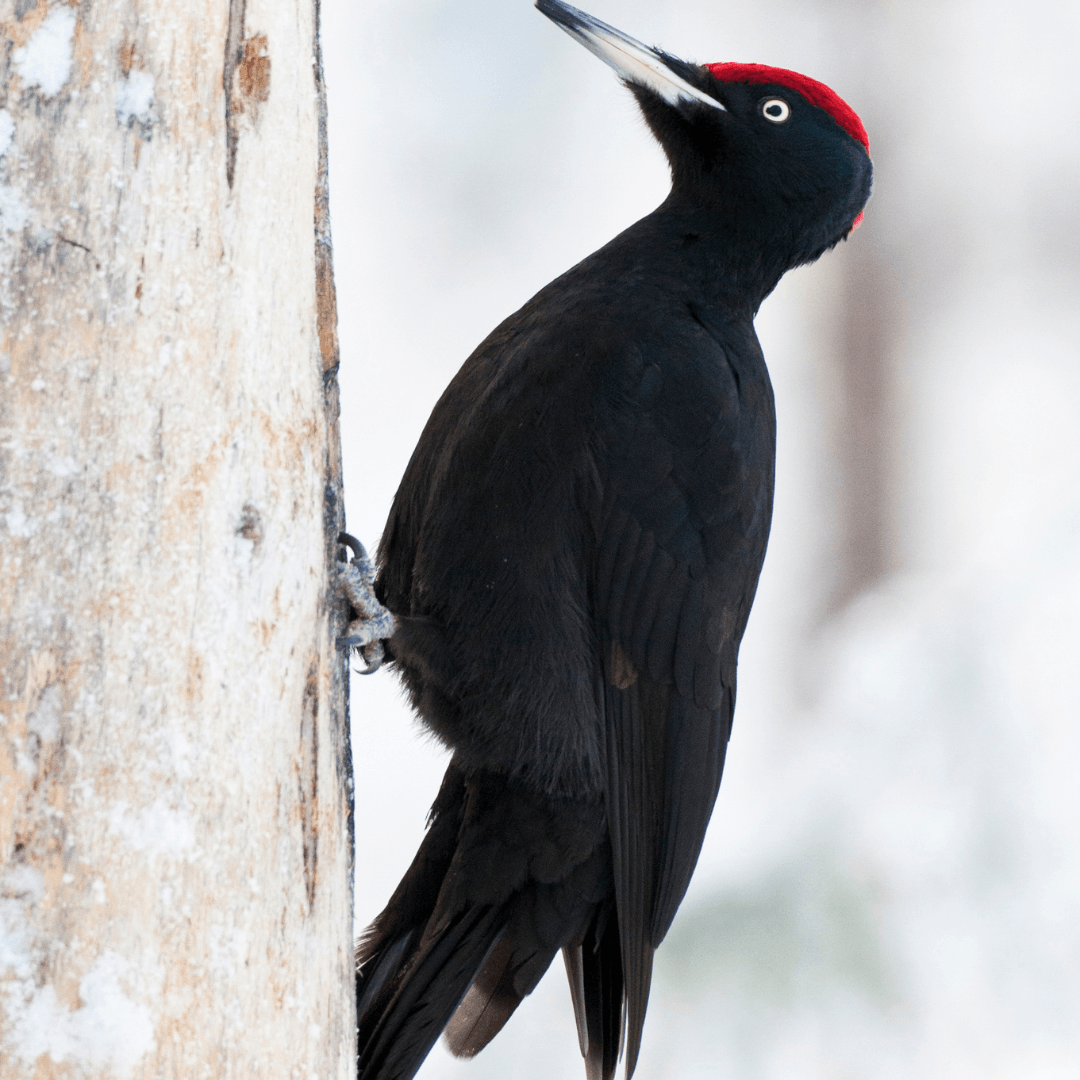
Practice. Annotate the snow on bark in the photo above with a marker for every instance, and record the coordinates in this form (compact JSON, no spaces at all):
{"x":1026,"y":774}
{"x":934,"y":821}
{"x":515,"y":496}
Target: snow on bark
{"x":175,"y":796}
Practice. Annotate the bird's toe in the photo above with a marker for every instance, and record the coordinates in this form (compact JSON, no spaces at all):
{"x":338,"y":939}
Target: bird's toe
{"x":373,"y":622}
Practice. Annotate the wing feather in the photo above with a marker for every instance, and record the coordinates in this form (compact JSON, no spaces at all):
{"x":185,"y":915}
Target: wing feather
{"x":673,"y":579}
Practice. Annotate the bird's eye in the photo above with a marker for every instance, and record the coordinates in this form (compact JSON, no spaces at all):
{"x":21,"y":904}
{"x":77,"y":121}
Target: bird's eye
{"x":775,"y":109}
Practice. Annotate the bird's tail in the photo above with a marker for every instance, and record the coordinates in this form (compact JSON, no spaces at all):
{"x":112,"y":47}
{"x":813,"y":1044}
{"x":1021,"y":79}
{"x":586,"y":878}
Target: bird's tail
{"x":413,"y":970}
{"x":594,"y":971}
{"x":398,"y":1033}
{"x":470,"y":930}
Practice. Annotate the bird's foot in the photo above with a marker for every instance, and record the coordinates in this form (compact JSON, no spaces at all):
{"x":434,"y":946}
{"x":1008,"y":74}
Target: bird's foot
{"x":373,"y":623}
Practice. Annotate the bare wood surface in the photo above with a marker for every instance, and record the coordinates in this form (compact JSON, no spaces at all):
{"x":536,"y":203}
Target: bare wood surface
{"x":175,"y":797}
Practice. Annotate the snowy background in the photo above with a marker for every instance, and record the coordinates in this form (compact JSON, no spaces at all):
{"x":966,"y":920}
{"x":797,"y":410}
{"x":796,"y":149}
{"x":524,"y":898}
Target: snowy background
{"x":890,"y":886}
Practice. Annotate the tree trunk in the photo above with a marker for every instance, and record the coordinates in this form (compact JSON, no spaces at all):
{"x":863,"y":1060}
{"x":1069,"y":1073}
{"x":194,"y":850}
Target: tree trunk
{"x":175,"y":790}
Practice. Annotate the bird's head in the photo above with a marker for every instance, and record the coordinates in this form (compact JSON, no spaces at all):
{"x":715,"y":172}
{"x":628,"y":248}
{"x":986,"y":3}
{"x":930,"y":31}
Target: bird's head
{"x":779,"y":158}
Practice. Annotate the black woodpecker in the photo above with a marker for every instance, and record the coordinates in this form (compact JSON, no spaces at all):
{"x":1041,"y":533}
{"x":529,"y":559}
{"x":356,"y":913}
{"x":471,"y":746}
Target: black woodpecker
{"x":568,"y":568}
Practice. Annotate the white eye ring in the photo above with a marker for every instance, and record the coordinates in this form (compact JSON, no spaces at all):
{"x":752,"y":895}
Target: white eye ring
{"x":775,"y":109}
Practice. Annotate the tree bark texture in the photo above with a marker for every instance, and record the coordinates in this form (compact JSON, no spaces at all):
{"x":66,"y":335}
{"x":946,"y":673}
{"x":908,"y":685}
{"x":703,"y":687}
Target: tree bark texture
{"x":175,"y":788}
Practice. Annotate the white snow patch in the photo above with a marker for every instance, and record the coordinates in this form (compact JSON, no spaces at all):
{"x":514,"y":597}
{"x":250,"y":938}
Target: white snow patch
{"x":18,"y":524}
{"x":229,"y":947}
{"x":44,"y":721}
{"x":23,"y":881}
{"x":45,"y":60}
{"x":157,"y":830}
{"x":63,"y":467}
{"x":243,"y":550}
{"x":108,"y":1031}
{"x":13,"y":212}
{"x":7,"y":131}
{"x":14,"y":941}
{"x":134,"y":96}
{"x":180,"y":748}
{"x":185,"y":295}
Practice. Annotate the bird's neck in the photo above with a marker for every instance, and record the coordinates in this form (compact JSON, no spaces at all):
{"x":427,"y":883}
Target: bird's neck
{"x":726,"y":264}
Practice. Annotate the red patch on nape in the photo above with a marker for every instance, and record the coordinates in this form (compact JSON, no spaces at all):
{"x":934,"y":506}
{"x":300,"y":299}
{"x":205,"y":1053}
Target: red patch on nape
{"x":815,"y":92}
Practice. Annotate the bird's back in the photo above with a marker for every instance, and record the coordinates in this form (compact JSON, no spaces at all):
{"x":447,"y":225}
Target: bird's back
{"x":615,"y":395}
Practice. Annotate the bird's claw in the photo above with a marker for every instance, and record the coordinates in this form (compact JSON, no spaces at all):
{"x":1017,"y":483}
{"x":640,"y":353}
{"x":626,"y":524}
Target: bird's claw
{"x":373,"y":623}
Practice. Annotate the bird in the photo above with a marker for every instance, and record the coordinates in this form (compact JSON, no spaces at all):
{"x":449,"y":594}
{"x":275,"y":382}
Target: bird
{"x":568,"y":566}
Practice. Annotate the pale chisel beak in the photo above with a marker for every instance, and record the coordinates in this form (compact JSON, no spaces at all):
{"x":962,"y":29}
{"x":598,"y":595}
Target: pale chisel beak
{"x":633,"y":62}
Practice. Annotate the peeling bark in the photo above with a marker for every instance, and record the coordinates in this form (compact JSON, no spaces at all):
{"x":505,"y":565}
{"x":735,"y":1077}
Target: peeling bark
{"x":175,"y":794}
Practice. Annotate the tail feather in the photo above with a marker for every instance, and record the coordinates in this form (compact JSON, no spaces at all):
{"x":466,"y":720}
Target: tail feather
{"x":594,"y":970}
{"x":504,"y":878}
{"x":428,"y":992}
{"x":487,"y":1005}
{"x":575,"y":976}
{"x":603,"y":977}
{"x":386,"y":950}
{"x":376,"y":977}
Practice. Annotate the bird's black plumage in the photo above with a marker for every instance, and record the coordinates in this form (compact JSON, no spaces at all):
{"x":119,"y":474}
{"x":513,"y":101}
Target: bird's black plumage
{"x":570,"y":559}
